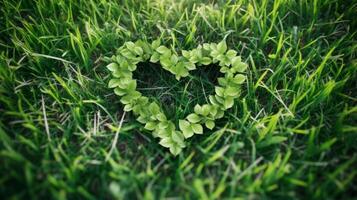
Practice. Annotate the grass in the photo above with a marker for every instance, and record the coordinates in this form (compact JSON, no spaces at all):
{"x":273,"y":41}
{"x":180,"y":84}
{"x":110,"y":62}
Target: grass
{"x":291,"y":136}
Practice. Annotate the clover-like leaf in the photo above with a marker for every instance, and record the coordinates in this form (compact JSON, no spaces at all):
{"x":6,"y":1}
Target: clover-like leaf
{"x":186,"y":54}
{"x":163,"y":50}
{"x":150,"y":125}
{"x":210,"y":124}
{"x":197,"y":128}
{"x":228,"y":102}
{"x":231,"y":91}
{"x":186,"y":128}
{"x":166,"y":142}
{"x":222,"y":47}
{"x":163,"y":125}
{"x":113,"y":67}
{"x":198,"y":109}
{"x":119,"y":91}
{"x":189,"y":65}
{"x":155,"y":57}
{"x":132,"y":67}
{"x":113,"y":83}
{"x":231,"y":54}
{"x":175,"y":150}
{"x":239,"y":79}
{"x":178,"y":137}
{"x":155,"y":44}
{"x":219,"y":91}
{"x":205,"y":61}
{"x":131,"y":85}
{"x":161,"y":117}
{"x":130,"y":97}
{"x":154,"y":108}
{"x":206,"y":109}
{"x":193,"y":118}
{"x":166,"y":62}
{"x":180,"y":70}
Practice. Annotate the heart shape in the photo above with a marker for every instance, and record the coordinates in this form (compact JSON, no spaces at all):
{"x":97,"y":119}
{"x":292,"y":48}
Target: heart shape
{"x":149,"y":113}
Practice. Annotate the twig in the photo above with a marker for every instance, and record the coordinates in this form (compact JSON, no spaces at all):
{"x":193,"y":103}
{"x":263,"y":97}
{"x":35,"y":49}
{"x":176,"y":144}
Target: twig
{"x":115,"y":138}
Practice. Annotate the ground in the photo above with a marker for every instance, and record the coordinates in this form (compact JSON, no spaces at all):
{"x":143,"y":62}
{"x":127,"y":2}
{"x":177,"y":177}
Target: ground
{"x":291,"y":135}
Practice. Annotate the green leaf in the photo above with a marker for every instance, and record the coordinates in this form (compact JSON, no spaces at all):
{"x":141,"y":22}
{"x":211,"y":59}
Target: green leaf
{"x":219,"y":91}
{"x":127,"y":108}
{"x":222,"y":47}
{"x":166,"y":142}
{"x":181,"y":70}
{"x":144,"y":45}
{"x":163,"y":125}
{"x":205,"y":109}
{"x":132,"y":67}
{"x":206,"y":46}
{"x":236,"y":61}
{"x":150,"y":125}
{"x":222,"y":81}
{"x":177,"y":137}
{"x":197,"y":128}
{"x":123,"y":73}
{"x":206,"y":61}
{"x":174,"y":59}
{"x":210,"y":124}
{"x":193,"y":118}
{"x":165,"y":61}
{"x":163,"y":50}
{"x":197,"y":53}
{"x":142,"y":119}
{"x":186,"y":54}
{"x":213,"y":110}
{"x":113,"y":83}
{"x":185,"y":128}
{"x":231,"y":54}
{"x":119,"y":91}
{"x":113,"y":67}
{"x":138,"y":50}
{"x":128,"y":54}
{"x":239,"y":79}
{"x":155,"y":57}
{"x":228,"y":102}
{"x":213,"y":100}
{"x":154,"y":108}
{"x":155,"y":44}
{"x":198,"y":109}
{"x":175,"y":150}
{"x":224,"y":60}
{"x":190,"y":65}
{"x":220,"y":114}
{"x":134,"y":95}
{"x":161,"y":117}
{"x":238,"y":65}
{"x":161,"y":133}
{"x":231,"y":91}
{"x":131,"y":85}
{"x":130,"y":45}
{"x":219,"y":99}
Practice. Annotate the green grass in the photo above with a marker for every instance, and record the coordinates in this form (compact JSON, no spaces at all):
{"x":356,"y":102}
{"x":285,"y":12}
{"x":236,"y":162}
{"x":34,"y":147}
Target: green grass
{"x":293,"y":134}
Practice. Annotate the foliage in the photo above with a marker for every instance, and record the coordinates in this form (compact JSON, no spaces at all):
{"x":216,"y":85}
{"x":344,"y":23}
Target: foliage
{"x":149,"y":113}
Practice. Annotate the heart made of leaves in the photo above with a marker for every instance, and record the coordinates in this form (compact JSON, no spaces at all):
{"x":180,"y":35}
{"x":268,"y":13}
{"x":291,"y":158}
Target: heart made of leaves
{"x":149,"y":113}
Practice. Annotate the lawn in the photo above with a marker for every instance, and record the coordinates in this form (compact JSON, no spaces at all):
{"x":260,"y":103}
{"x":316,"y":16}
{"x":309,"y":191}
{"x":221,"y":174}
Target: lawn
{"x":290,"y":134}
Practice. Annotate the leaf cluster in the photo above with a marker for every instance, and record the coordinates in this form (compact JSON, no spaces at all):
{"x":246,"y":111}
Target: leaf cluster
{"x":149,"y":113}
